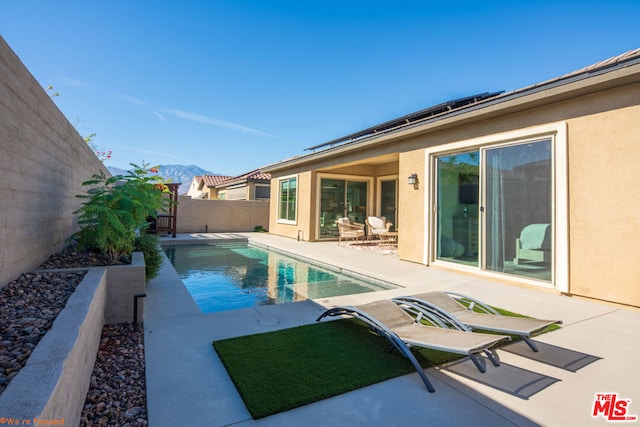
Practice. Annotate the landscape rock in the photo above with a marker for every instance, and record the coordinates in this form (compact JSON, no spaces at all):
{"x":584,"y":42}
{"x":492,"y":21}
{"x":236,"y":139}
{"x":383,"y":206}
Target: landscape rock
{"x":28,"y":307}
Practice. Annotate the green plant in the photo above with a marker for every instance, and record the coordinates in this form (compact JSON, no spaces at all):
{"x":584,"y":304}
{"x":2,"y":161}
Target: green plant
{"x":260,"y":229}
{"x":116,"y":208}
{"x":148,"y":244}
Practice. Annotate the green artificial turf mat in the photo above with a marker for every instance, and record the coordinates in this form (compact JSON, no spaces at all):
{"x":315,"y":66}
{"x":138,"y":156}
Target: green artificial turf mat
{"x":282,"y":370}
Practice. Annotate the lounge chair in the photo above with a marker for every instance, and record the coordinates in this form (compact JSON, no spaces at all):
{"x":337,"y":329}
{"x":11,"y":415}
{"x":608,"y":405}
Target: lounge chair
{"x":348,"y":230}
{"x":456,"y":310}
{"x":403,"y":331}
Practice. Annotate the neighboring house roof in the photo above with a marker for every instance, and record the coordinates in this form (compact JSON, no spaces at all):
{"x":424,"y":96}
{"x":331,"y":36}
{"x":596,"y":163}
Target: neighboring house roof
{"x":475,"y":106}
{"x":212,"y":180}
{"x":255,"y":176}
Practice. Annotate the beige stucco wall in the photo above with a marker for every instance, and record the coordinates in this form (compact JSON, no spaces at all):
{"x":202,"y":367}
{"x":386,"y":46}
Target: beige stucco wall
{"x":411,"y":226}
{"x":43,"y":161}
{"x":604,"y":172}
{"x":305,"y":214}
{"x":216,"y":216}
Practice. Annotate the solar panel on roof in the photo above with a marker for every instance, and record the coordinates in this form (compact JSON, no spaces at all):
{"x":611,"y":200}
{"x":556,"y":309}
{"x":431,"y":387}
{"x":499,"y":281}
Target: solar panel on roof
{"x":411,"y":118}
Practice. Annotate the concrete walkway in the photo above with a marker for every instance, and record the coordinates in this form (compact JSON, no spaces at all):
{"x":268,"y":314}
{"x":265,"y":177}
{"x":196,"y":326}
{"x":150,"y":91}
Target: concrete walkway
{"x":187,"y":384}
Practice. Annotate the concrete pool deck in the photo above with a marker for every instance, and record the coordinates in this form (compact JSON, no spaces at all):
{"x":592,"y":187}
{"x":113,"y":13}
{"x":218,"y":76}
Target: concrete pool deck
{"x":187,"y":384}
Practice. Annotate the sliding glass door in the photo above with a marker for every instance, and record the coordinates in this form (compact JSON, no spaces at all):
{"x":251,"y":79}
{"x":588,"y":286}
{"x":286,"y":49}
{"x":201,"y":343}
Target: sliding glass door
{"x":341,"y":198}
{"x":457,"y":219}
{"x":495,"y":210}
{"x":518,"y":217}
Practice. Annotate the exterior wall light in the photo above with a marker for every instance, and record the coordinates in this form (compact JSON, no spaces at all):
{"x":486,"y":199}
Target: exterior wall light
{"x":413,"y":180}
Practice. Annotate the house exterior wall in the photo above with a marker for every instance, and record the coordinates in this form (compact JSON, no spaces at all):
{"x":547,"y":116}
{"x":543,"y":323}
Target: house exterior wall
{"x":603,"y":203}
{"x":43,"y":161}
{"x":604,"y":223}
{"x":220,"y":216}
{"x":604,"y":169}
{"x":305,"y":215}
{"x":213,"y":193}
{"x":411,"y":218}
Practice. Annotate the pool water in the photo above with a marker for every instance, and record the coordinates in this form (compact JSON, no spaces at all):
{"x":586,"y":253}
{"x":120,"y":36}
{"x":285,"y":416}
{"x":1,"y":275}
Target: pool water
{"x":223,"y":277}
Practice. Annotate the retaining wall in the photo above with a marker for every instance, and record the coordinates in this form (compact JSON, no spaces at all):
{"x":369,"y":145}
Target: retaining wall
{"x":43,"y":162}
{"x":53,"y":384}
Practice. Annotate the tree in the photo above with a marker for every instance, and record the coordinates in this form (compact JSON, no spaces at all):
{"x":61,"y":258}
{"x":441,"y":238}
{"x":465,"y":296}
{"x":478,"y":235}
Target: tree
{"x":117,"y":209}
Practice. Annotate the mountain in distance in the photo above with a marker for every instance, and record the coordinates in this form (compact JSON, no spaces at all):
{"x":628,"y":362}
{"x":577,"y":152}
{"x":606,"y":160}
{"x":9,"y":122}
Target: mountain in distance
{"x":176,"y":173}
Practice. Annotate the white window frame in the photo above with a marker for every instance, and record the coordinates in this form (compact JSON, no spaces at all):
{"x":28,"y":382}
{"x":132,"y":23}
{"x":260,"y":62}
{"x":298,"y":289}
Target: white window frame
{"x":557,"y":132}
{"x":281,"y":220}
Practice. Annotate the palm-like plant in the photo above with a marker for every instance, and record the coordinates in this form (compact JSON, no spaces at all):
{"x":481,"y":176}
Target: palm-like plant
{"x":117,"y":208}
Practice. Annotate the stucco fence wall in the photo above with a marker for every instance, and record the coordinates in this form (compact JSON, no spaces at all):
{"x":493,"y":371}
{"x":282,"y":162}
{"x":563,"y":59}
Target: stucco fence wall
{"x":43,"y":162}
{"x":220,"y":216}
{"x":53,"y":384}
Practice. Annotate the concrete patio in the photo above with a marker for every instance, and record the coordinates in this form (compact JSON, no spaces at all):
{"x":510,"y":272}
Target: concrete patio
{"x":187,"y":384}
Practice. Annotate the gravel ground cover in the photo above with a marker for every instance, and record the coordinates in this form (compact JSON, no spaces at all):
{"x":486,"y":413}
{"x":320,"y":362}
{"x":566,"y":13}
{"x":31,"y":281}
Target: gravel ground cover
{"x":117,"y":394}
{"x":28,"y":307}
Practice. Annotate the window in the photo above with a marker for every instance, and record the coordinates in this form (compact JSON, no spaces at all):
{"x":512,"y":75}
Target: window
{"x":262,"y":191}
{"x":287,"y":197}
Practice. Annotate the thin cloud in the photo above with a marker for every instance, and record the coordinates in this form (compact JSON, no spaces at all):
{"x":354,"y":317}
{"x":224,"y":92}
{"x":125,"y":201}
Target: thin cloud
{"x":186,"y":115}
{"x":134,"y":100}
{"x":160,"y":116}
{"x":216,"y":122}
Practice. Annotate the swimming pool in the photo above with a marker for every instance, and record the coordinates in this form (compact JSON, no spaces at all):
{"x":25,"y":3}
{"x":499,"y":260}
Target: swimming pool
{"x":223,"y":277}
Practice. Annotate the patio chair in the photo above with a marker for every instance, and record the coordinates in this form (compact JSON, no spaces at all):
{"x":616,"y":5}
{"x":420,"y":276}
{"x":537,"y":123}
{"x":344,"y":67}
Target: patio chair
{"x":377,"y":225}
{"x":348,"y":230}
{"x":534,"y":244}
{"x":403,"y":331}
{"x":457,"y":310}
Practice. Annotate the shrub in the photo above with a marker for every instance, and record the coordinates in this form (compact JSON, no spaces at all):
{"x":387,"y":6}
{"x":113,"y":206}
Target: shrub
{"x":149,"y":245}
{"x":260,"y":229}
{"x":116,"y":208}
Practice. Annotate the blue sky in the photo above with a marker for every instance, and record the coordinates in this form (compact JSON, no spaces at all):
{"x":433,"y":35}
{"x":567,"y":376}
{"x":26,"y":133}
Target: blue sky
{"x":231,"y":86}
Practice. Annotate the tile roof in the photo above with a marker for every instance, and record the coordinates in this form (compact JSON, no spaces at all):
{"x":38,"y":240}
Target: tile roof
{"x":255,"y":175}
{"x":213,"y":180}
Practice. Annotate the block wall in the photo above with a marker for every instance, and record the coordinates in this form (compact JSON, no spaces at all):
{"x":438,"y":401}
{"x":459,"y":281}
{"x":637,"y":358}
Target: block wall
{"x":220,"y":216}
{"x":43,"y":162}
